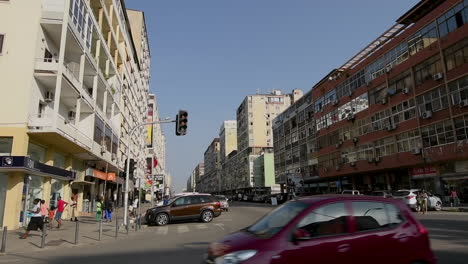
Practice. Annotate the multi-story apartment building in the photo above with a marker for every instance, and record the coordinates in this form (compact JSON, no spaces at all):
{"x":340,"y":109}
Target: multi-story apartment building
{"x":395,"y":115}
{"x":254,"y":136}
{"x":228,"y":144}
{"x":212,"y":167}
{"x":294,"y":135}
{"x":78,"y":81}
{"x":197,"y":175}
{"x":156,"y":152}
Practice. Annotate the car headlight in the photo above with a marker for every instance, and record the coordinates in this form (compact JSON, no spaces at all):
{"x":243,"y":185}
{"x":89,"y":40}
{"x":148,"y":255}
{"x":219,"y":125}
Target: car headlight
{"x":236,"y":257}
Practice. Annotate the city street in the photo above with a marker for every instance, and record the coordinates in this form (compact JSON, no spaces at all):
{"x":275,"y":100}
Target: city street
{"x":187,"y":242}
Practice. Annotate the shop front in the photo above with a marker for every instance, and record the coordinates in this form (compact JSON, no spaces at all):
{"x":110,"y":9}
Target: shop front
{"x":456,"y":179}
{"x":3,"y":192}
{"x":41,"y":181}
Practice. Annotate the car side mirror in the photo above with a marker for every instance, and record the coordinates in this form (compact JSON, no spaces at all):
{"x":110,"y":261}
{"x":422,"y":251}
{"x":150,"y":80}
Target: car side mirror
{"x":301,"y":234}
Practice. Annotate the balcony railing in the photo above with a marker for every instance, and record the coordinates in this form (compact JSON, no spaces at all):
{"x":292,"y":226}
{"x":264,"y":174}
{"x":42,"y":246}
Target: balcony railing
{"x":47,"y":64}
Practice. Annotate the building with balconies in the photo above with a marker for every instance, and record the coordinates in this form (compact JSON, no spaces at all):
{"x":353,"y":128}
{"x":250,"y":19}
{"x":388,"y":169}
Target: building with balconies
{"x":74,"y":81}
{"x":395,"y":115}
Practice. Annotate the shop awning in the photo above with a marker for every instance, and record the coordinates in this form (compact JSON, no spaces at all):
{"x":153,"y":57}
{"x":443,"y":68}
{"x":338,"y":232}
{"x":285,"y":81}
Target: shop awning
{"x":456,"y":178}
{"x":111,"y":176}
{"x":83,"y":183}
{"x":32,"y":167}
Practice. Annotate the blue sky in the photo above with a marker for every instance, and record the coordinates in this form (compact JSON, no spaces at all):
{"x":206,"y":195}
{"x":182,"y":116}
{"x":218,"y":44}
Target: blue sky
{"x":207,"y":55}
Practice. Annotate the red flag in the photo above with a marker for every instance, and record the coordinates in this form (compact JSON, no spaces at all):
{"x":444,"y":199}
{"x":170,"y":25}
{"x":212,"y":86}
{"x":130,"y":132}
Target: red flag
{"x":155,"y":162}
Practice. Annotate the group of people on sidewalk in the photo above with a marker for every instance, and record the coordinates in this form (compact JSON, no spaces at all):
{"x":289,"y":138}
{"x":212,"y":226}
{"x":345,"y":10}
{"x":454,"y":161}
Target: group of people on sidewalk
{"x":41,"y":214}
{"x":104,"y":209}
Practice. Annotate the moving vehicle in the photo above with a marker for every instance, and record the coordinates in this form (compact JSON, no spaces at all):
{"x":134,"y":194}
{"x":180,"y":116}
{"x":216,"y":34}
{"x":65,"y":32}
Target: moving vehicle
{"x":409,"y":196}
{"x":329,"y":229}
{"x":224,"y":202}
{"x":185,"y":207}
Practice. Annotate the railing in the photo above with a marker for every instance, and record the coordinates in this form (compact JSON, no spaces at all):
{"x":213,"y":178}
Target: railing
{"x":73,"y":72}
{"x":71,"y":132}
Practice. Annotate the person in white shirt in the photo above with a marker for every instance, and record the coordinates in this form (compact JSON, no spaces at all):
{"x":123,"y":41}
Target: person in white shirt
{"x":135,"y":203}
{"x":37,"y":220}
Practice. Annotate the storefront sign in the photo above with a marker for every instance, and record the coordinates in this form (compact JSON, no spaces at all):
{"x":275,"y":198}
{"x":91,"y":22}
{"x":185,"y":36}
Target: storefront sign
{"x":111,"y":176}
{"x":419,"y":173}
{"x":29,"y":165}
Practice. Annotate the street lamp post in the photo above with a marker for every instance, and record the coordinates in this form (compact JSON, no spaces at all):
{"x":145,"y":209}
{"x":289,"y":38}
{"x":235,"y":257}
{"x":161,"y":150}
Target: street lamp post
{"x":127,"y":173}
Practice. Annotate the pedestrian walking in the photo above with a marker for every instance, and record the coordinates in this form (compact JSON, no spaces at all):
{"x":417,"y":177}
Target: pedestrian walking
{"x":454,"y":200}
{"x":44,"y":210}
{"x":73,"y":205}
{"x":51,"y":216}
{"x":109,"y":209}
{"x":424,"y":201}
{"x":61,"y":204}
{"x":99,"y":208}
{"x":37,"y":220}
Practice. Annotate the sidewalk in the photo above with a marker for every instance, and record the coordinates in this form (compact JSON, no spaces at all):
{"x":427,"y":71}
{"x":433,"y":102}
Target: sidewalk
{"x":460,"y":208}
{"x":65,"y":236}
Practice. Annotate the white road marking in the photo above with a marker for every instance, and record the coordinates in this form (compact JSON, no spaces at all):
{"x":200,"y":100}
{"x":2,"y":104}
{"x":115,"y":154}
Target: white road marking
{"x":162,"y":230}
{"x":201,"y":226}
{"x":182,"y":229}
{"x":220,"y":226}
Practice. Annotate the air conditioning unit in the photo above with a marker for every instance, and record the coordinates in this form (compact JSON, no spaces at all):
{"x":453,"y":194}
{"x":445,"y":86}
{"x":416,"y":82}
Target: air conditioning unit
{"x":388,"y":69}
{"x":103,"y":149}
{"x":335,"y":102}
{"x":383,"y":101}
{"x":71,"y":115}
{"x":426,"y":114}
{"x":406,"y":91}
{"x":371,"y":160}
{"x":377,"y":159}
{"x":355,"y":139}
{"x":49,"y":97}
{"x":463,"y":103}
{"x":437,"y":76}
{"x":416,"y":151}
{"x":391,"y":127}
{"x":350,"y":117}
{"x":352,"y":164}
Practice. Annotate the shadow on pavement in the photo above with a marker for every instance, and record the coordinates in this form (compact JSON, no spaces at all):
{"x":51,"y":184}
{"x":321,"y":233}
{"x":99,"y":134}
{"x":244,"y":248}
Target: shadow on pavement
{"x":451,"y":257}
{"x":180,"y":256}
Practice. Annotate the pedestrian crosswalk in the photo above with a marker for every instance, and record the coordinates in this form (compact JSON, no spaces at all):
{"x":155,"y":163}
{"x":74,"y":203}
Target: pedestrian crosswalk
{"x":187,"y":228}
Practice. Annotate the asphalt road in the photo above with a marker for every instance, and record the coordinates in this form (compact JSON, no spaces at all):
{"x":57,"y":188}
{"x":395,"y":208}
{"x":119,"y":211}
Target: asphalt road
{"x":182,"y":243}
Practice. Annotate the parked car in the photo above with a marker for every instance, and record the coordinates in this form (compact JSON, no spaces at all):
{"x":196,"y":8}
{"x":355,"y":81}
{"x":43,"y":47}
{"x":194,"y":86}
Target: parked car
{"x":352,"y":192}
{"x":224,"y":202}
{"x":329,"y":229}
{"x":410,"y":198}
{"x":185,"y":207}
{"x":384,"y":194}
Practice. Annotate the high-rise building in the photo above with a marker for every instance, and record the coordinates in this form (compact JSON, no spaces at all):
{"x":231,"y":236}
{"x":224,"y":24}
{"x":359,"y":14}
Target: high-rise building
{"x":211,"y":177}
{"x":394,"y":116}
{"x":228,"y":144}
{"x":77,"y":83}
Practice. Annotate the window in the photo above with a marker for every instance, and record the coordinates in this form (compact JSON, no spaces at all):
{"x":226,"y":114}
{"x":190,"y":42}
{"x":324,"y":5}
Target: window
{"x":452,"y":19}
{"x":400,"y":83}
{"x":350,"y":85}
{"x":2,"y":39}
{"x":457,"y":54}
{"x":403,"y":111}
{"x":385,"y":147}
{"x":182,"y":201}
{"x":423,"y":38}
{"x":408,"y":141}
{"x":275,"y":99}
{"x":6,"y":146}
{"x":461,"y":127}
{"x":327,"y":220}
{"x":437,"y":134}
{"x":458,"y":90}
{"x":98,"y":130}
{"x":426,"y":69}
{"x":377,"y":94}
{"x":434,"y":100}
{"x":395,"y":217}
{"x":370,"y":216}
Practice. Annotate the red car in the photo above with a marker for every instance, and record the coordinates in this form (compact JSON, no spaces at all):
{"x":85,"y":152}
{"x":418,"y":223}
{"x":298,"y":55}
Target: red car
{"x":329,"y":229}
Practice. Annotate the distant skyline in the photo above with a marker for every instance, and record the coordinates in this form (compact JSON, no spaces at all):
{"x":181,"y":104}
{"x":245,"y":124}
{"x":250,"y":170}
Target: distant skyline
{"x":207,"y":55}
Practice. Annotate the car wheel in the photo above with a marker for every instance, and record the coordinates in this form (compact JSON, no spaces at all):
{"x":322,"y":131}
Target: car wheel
{"x":438,"y":206}
{"x":207,"y":216}
{"x":162,"y":219}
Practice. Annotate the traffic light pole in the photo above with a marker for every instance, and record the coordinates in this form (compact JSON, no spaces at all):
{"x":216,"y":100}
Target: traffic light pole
{"x":127,"y":173}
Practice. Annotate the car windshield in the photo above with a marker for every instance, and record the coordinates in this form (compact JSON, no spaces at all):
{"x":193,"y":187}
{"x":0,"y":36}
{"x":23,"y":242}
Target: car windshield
{"x":276,"y":220}
{"x":221,"y":198}
{"x":401,"y":193}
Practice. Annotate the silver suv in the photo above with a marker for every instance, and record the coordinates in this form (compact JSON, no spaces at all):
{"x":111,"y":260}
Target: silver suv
{"x":409,"y":196}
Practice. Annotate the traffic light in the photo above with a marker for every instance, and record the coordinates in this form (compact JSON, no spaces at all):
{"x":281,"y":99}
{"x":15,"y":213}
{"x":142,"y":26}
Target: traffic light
{"x":132,"y":166}
{"x":181,"y":123}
